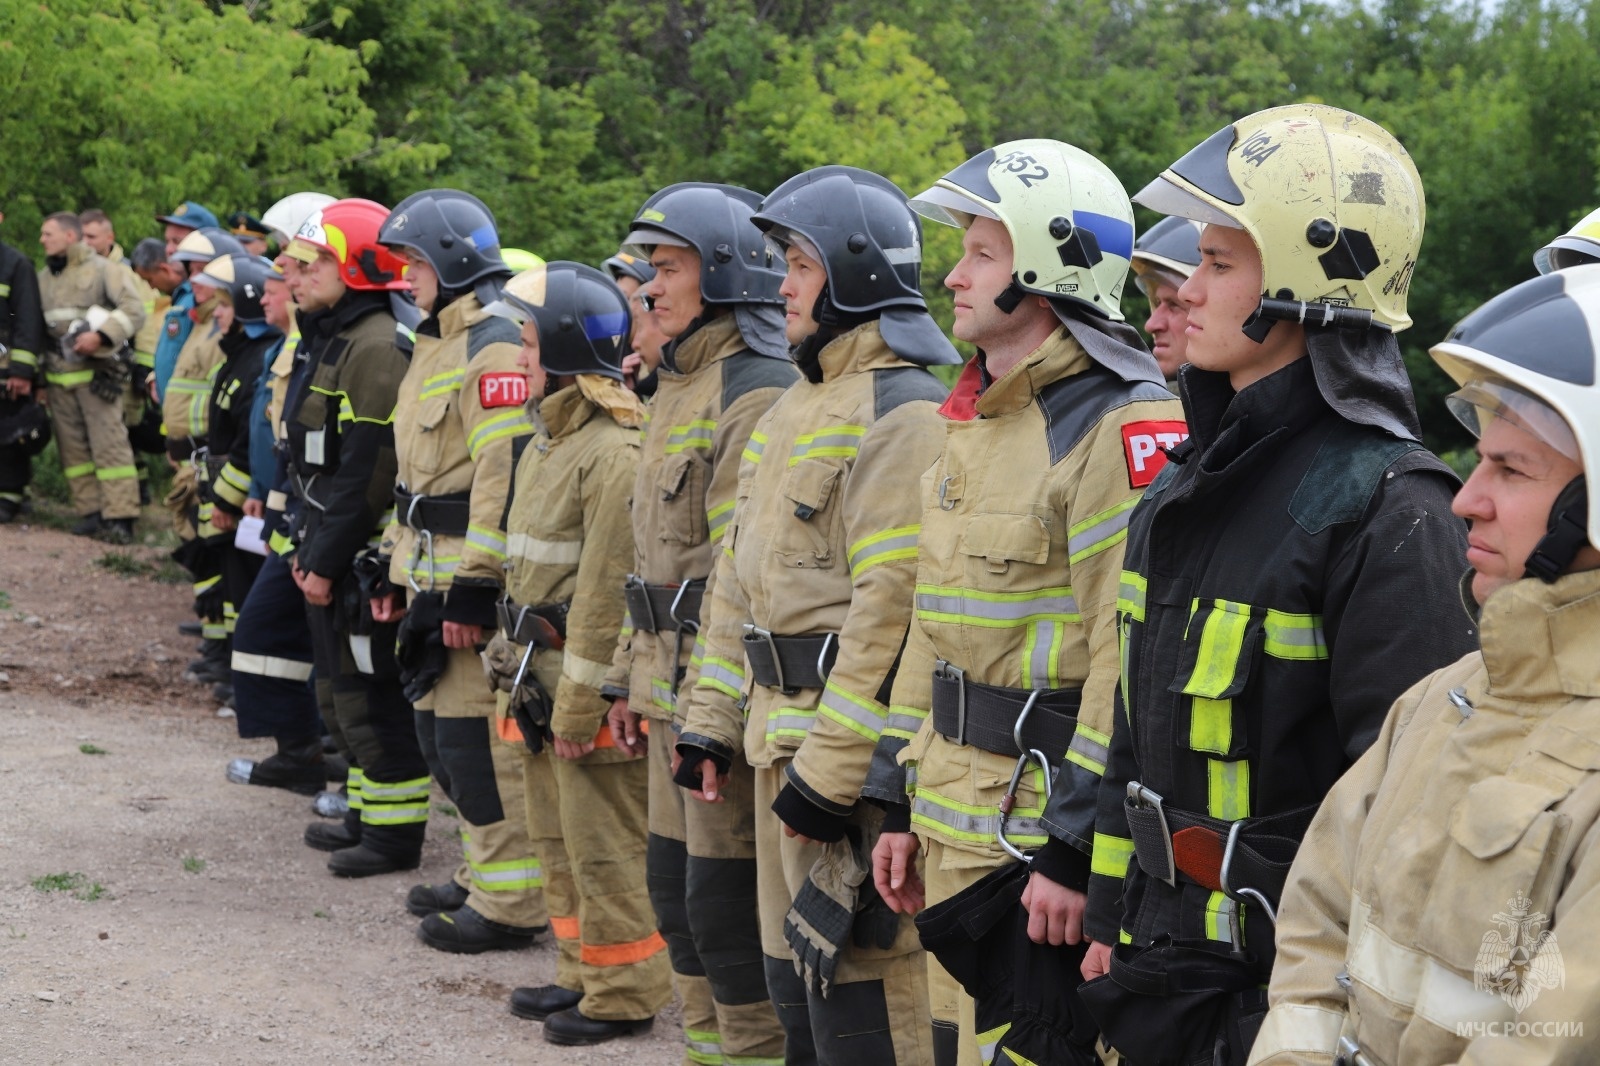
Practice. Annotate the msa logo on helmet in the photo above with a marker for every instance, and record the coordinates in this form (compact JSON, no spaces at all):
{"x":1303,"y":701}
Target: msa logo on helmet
{"x":502,"y":390}
{"x":1066,"y":286}
{"x":1141,"y":446}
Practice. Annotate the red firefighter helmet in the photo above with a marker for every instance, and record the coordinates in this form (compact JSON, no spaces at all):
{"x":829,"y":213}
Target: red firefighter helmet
{"x":348,"y":230}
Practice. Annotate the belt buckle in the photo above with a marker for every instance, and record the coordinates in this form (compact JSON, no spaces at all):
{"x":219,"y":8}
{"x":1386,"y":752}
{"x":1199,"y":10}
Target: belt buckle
{"x":672,"y":612}
{"x":1149,"y":799}
{"x":945,"y":670}
{"x":1244,"y":892}
{"x":772,"y":645}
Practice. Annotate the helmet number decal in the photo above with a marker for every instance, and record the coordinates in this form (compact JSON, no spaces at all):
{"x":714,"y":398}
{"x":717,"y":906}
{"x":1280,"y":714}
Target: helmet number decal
{"x":1258,"y":149}
{"x":1143,"y":445}
{"x":502,"y":390}
{"x":1026,"y":168}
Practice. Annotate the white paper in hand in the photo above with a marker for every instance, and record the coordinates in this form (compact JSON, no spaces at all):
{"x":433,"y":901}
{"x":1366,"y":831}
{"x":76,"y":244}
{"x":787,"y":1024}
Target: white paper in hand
{"x":248,"y":535}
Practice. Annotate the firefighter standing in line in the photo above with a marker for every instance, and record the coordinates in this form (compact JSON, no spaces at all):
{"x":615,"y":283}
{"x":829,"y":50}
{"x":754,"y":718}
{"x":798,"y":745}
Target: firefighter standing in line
{"x":92,"y":309}
{"x":24,"y":423}
{"x":1017,"y":575}
{"x":1292,"y":572}
{"x":716,"y":295}
{"x":177,"y":323}
{"x":1163,"y":258}
{"x":338,"y":414}
{"x":1438,"y":907}
{"x":570,"y":549}
{"x":816,"y":595}
{"x":459,"y":417}
{"x":632,"y":273}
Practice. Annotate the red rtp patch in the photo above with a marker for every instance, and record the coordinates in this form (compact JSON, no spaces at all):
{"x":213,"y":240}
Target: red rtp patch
{"x":1141,"y":446}
{"x":504,"y":390}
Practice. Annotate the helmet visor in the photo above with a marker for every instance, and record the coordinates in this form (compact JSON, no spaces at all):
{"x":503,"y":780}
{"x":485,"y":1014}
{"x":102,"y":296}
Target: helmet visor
{"x":781,"y":238}
{"x":640,"y":239}
{"x":950,"y":208}
{"x":303,"y":250}
{"x":1479,"y":402}
{"x":1170,"y":199}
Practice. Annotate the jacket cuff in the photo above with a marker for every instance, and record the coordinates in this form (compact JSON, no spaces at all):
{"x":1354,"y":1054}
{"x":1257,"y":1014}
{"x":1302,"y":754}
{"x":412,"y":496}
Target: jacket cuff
{"x":613,"y":692}
{"x":806,"y":818}
{"x":1063,"y":864}
{"x":896,"y":818}
{"x":695,"y":747}
{"x":471,"y":605}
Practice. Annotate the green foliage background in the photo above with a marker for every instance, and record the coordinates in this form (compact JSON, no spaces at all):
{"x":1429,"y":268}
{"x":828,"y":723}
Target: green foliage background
{"x":564,"y":114}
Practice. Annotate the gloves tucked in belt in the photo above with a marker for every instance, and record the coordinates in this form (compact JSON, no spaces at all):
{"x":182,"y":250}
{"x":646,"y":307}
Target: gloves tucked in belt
{"x":111,"y":377}
{"x":837,"y":905}
{"x":528,"y":702}
{"x":419,"y":645}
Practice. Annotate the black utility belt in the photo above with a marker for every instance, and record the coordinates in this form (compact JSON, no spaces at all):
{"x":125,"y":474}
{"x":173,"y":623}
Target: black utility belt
{"x":533,"y":625}
{"x":443,"y":516}
{"x":789,"y":664}
{"x":664,"y":608}
{"x":1246,"y":859}
{"x":986,"y":716}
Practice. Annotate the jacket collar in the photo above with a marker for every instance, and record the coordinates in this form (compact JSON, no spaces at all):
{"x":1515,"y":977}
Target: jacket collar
{"x":79,"y":253}
{"x":464,"y":312}
{"x":1539,"y":640}
{"x":860,"y":349}
{"x":976,"y":394}
{"x":712,"y":341}
{"x":353,"y":306}
{"x":565,"y":412}
{"x":1285,"y":399}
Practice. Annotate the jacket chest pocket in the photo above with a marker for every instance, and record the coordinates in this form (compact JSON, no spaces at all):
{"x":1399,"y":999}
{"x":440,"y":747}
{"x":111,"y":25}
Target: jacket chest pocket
{"x":806,"y":539}
{"x":993,"y":541}
{"x":682,"y":489}
{"x":425,"y":448}
{"x":1498,"y":880}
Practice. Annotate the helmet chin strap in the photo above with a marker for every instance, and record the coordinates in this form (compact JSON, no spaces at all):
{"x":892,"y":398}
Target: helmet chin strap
{"x":1567,"y":533}
{"x":1011,"y":296}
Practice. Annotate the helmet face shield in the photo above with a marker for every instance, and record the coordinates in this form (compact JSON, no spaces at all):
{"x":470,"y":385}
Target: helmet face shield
{"x":1580,"y":244}
{"x":1477,"y":404}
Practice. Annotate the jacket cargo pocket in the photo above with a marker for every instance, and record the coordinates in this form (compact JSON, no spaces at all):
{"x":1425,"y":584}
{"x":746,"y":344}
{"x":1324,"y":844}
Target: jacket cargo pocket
{"x":1000,"y":539}
{"x":806,"y":539}
{"x":424,"y":453}
{"x":959,"y":788}
{"x":1221,"y":643}
{"x":682,"y":484}
{"x":1505,"y":847}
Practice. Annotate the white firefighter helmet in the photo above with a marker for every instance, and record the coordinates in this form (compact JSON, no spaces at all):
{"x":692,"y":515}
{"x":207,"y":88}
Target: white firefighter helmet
{"x":1332,"y":201}
{"x":289,"y":214}
{"x":1531,"y":356}
{"x":1069,"y":218}
{"x":1580,"y":244}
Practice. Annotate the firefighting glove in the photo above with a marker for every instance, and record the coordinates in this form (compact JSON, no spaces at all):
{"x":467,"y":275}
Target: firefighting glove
{"x":111,"y":377}
{"x":528,"y":702}
{"x":419,"y":645}
{"x":836,"y":905}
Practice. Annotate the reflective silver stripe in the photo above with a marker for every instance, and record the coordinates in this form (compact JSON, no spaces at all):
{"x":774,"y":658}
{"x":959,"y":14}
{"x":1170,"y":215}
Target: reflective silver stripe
{"x":717,"y":673}
{"x":1004,"y":608}
{"x":584,"y":671}
{"x":58,"y":315}
{"x":399,"y":790}
{"x":1299,"y":1029}
{"x":270,"y":666}
{"x":1412,"y":979}
{"x":1087,"y":747}
{"x":975,"y":825}
{"x":790,"y":721}
{"x":835,"y":441}
{"x":861,"y":717}
{"x":865,"y":552}
{"x":546,"y":552}
{"x":391,"y":814}
{"x":277,"y":500}
{"x":1041,"y":659}
{"x":1097,"y":534}
{"x":902,"y":722}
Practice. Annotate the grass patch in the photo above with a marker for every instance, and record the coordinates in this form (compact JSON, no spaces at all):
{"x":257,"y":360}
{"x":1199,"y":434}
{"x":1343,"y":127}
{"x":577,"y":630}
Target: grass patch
{"x":320,"y":914}
{"x":92,"y":749}
{"x":77,"y":884}
{"x":446,"y":810}
{"x":5,"y":600}
{"x":193,"y":864}
{"x":124,"y":564}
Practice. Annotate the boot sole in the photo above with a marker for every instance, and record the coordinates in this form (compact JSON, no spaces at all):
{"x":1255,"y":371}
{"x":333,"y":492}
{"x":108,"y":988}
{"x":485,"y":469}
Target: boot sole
{"x":456,"y":947}
{"x":633,"y":1029}
{"x":541,"y":1015}
{"x":375,"y":871}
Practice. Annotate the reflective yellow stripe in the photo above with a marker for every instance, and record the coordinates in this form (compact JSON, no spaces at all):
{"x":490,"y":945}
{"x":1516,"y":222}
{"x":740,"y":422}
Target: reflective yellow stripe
{"x":696,"y":434}
{"x":890,"y":545}
{"x":1211,"y":725}
{"x":1221,"y":640}
{"x":511,"y":423}
{"x":903,"y":722}
{"x":1111,"y":856}
{"x":1098,"y":532}
{"x":856,"y":713}
{"x":753,"y":449}
{"x":1218,"y":907}
{"x":77,"y":470}
{"x":1090,"y":749}
{"x":717,"y":519}
{"x":70,"y":379}
{"x":488,"y":541}
{"x":841,"y":441}
{"x":24,"y":357}
{"x":1130,"y":595}
{"x":995,"y":610}
{"x":116,"y":473}
{"x":1295,"y":636}
{"x":987,"y":1041}
{"x":1228,"y":789}
{"x":442,"y":384}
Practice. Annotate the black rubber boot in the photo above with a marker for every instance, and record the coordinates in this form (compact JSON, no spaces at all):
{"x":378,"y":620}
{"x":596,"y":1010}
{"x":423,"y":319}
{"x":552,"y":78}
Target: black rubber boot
{"x":115,"y":531}
{"x":214,"y":665}
{"x":363,"y":861}
{"x":9,"y":509}
{"x":424,"y":900}
{"x":539,"y":1003}
{"x":335,"y":836}
{"x":297,"y":767}
{"x":87,"y":526}
{"x":466,"y":932}
{"x":570,"y":1027}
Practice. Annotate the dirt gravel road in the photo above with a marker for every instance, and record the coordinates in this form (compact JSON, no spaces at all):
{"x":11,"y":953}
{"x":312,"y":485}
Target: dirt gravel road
{"x":151,"y":912}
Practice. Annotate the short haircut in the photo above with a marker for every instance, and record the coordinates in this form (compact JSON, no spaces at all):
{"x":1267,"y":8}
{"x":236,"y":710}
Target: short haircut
{"x":67,"y":221}
{"x":149,"y":254}
{"x":94,"y":214}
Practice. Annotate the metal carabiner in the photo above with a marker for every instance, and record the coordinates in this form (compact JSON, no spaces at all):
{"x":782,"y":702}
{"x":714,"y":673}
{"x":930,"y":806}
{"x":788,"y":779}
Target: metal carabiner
{"x":1008,"y":801}
{"x":424,"y":542}
{"x":692,"y":625}
{"x":1244,"y":891}
{"x":944,"y":486}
